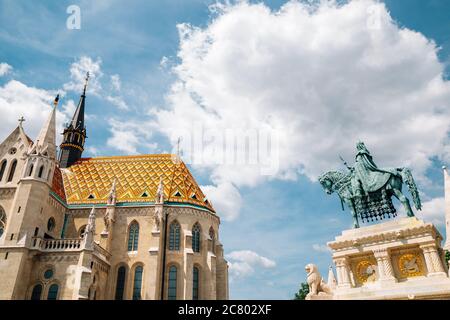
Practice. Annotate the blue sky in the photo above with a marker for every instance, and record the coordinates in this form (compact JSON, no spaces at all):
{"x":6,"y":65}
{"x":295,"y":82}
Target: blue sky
{"x":285,"y":219}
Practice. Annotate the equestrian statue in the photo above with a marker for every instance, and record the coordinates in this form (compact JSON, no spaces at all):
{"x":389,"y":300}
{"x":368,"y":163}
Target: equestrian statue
{"x":367,"y":190}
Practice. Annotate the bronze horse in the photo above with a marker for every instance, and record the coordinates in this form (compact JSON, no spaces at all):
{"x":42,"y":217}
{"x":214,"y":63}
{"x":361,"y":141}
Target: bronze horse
{"x":336,"y":181}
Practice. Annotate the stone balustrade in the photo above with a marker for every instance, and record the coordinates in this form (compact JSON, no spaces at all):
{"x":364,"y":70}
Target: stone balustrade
{"x":61,"y":244}
{"x":101,"y":251}
{"x":36,"y":242}
{"x":67,"y":245}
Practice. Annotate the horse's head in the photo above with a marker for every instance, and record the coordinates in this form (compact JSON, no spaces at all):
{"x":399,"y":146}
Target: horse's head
{"x":327,"y":182}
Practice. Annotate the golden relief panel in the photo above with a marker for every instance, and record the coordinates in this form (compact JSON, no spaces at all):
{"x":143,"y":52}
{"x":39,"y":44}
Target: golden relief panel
{"x":365,"y":270}
{"x":410,"y":265}
{"x":137,"y":179}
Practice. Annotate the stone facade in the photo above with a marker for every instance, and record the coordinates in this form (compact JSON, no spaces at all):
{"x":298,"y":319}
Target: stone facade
{"x":53,"y":249}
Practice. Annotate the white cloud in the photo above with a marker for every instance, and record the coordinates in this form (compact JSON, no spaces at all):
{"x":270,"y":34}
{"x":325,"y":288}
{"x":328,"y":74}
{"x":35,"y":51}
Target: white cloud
{"x":69,"y":107}
{"x":243,"y":263}
{"x":323,"y":78}
{"x":433,"y":211}
{"x":225,"y":198}
{"x":115,"y":82}
{"x":78,"y":70}
{"x":94,"y":151}
{"x":17,"y":99}
{"x":129,"y":136}
{"x":5,"y":69}
{"x":163,"y":63}
{"x":118,"y":102}
{"x":110,"y":92}
{"x":321,"y":248}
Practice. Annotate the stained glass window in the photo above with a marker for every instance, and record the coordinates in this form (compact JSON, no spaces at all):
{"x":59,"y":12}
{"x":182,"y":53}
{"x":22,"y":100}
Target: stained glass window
{"x":137,"y":283}
{"x":196,"y":238}
{"x":133,"y":237}
{"x":48,"y":274}
{"x":174,"y":236}
{"x":195,"y":283}
{"x":120,"y":285}
{"x":53,"y":292}
{"x":172,"y":292}
{"x":36,"y":293}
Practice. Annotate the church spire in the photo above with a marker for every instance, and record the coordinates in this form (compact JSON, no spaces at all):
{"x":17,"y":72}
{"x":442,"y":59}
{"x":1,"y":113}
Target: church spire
{"x":331,"y":279}
{"x":90,"y":231}
{"x":40,"y":156}
{"x":74,"y":134}
{"x":78,"y":117}
{"x":46,"y":141}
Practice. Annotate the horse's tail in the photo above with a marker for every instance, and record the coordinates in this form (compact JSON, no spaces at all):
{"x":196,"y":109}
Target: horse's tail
{"x":409,"y":180}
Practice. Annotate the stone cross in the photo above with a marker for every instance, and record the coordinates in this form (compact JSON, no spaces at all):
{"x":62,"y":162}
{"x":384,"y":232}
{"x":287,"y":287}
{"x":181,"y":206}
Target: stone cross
{"x":21,"y":120}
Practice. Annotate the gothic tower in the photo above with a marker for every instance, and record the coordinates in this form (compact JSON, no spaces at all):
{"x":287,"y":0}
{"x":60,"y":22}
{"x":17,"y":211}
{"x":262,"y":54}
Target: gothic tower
{"x":74,"y":135}
{"x":28,"y":210}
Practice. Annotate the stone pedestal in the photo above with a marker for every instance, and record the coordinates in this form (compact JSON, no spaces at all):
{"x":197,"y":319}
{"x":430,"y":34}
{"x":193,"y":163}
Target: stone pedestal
{"x":399,"y":259}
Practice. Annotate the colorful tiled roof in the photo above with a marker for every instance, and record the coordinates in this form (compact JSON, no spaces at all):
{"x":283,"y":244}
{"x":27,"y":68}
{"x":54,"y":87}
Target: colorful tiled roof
{"x":137,"y":178}
{"x":57,"y":185}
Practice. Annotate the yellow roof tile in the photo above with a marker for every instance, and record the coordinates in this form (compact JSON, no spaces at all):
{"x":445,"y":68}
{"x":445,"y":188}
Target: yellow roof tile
{"x":89,"y":180}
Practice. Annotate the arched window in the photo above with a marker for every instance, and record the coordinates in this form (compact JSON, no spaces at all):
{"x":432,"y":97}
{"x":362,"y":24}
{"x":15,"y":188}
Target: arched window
{"x":120,"y":285}
{"x":12,"y":170}
{"x":172,"y":292}
{"x":2,"y":169}
{"x":2,"y":221}
{"x":41,"y":171}
{"x":137,"y":286}
{"x":53,"y":292}
{"x":51,"y":224}
{"x":30,"y":171}
{"x":212,"y":235}
{"x":174,"y":236}
{"x":133,"y":236}
{"x":92,"y":293}
{"x":195,"y":283}
{"x":196,"y":238}
{"x":36,"y":293}
{"x":82,"y":231}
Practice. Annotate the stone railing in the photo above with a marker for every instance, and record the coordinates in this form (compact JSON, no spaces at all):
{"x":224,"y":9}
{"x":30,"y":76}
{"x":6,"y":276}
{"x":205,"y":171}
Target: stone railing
{"x":101,"y":252}
{"x":64,"y":245}
{"x":60,"y":244}
{"x":36,"y":242}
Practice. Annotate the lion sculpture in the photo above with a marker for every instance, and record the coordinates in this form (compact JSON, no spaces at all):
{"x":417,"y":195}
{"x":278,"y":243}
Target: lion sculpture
{"x":317,"y":286}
